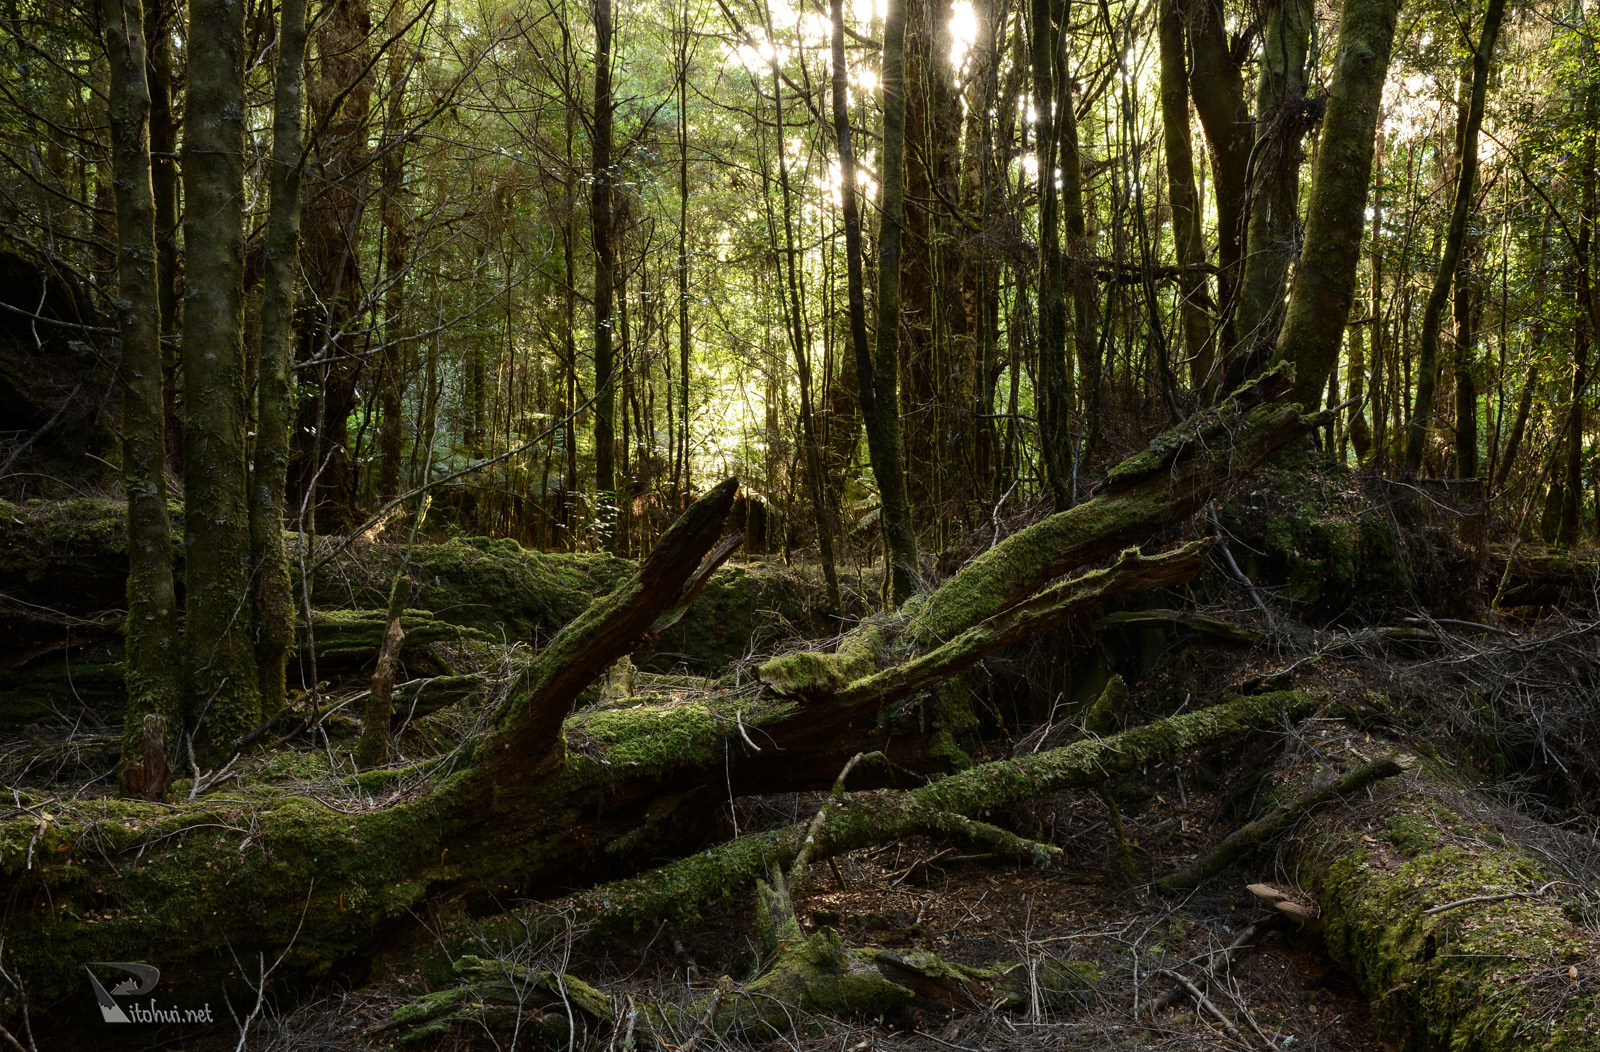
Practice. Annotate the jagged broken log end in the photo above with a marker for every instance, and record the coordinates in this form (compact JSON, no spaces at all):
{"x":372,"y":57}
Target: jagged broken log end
{"x":530,"y":721}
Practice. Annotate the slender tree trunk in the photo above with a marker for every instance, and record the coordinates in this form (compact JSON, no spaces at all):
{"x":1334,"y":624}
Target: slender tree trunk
{"x":1216,"y":83}
{"x":1055,"y":437}
{"x":1519,"y":423}
{"x":601,"y":215}
{"x":151,"y":671}
{"x":164,"y":182}
{"x":1325,"y":283}
{"x":1583,"y":335}
{"x":1275,"y":183}
{"x":800,"y":340}
{"x":397,"y":259}
{"x":1085,"y":307}
{"x":1467,"y":307}
{"x":274,"y":608}
{"x":1187,"y":238}
{"x":883,"y":418}
{"x":340,"y":96}
{"x":681,"y":481}
{"x":224,"y":695}
{"x":1455,"y":238}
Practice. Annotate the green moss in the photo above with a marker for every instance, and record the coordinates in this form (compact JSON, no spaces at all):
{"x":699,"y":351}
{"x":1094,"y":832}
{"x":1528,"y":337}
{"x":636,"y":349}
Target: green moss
{"x":819,"y":975}
{"x":1109,"y":709}
{"x":503,"y":995}
{"x":1485,"y":976}
{"x":812,"y":674}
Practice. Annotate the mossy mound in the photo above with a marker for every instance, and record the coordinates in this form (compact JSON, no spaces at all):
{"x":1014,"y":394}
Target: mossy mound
{"x":1321,"y":541}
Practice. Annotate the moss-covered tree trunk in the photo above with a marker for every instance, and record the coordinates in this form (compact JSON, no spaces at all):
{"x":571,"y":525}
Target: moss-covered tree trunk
{"x":270,"y":583}
{"x":1460,"y":937}
{"x":152,"y":637}
{"x":1324,"y":284}
{"x":882,"y":414}
{"x":224,"y":700}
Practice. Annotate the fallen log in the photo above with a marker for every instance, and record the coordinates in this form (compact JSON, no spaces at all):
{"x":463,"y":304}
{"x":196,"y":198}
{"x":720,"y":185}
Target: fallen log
{"x":1461,"y":937}
{"x":544,"y":804}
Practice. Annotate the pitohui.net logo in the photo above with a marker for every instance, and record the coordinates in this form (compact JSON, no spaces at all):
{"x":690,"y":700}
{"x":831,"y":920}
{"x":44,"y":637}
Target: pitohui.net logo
{"x":128,"y":1010}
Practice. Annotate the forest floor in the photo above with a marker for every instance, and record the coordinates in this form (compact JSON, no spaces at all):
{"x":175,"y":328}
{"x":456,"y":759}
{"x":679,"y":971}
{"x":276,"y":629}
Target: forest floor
{"x":1093,"y":947}
{"x":1083,"y":954}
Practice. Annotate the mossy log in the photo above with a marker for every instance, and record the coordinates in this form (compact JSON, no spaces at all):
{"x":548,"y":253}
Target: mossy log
{"x":1536,"y":576}
{"x":678,"y":890}
{"x":1462,"y":938}
{"x":544,"y":804}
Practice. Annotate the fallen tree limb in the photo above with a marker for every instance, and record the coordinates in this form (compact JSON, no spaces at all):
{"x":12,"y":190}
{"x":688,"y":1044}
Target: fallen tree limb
{"x":677,"y":890}
{"x":1258,"y":833}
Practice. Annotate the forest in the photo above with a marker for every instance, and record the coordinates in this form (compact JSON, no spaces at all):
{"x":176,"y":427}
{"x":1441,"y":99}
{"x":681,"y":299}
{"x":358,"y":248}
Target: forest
{"x":784,"y":524}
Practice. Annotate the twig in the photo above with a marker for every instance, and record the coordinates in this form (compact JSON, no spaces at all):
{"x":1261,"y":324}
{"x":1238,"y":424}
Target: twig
{"x":704,"y":1026}
{"x":1219,"y":961}
{"x":1491,"y":898}
{"x":1204,"y":1002}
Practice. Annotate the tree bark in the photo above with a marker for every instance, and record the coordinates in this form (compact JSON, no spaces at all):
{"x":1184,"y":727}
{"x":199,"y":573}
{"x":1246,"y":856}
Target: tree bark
{"x":152,"y":637}
{"x":340,"y":96}
{"x":274,"y":604}
{"x":901,"y":571}
{"x":1216,"y":83}
{"x":224,"y":700}
{"x":1324,"y":285}
{"x":601,"y":215}
{"x":1055,"y":395}
{"x":1188,"y":241}
{"x":1275,"y":184}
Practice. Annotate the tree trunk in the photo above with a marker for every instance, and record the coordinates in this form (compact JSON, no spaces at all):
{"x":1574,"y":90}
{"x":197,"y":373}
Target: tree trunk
{"x":154,"y":686}
{"x":397,"y":260}
{"x":800,"y":341}
{"x":1324,"y":285}
{"x":1188,"y":241}
{"x":1275,"y":183}
{"x":340,"y":96}
{"x":901,"y":571}
{"x":1055,"y":395}
{"x":1455,"y":238}
{"x":1216,"y":83}
{"x":274,"y":606}
{"x":224,"y":699}
{"x":601,"y":215}
{"x":1417,"y":898}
